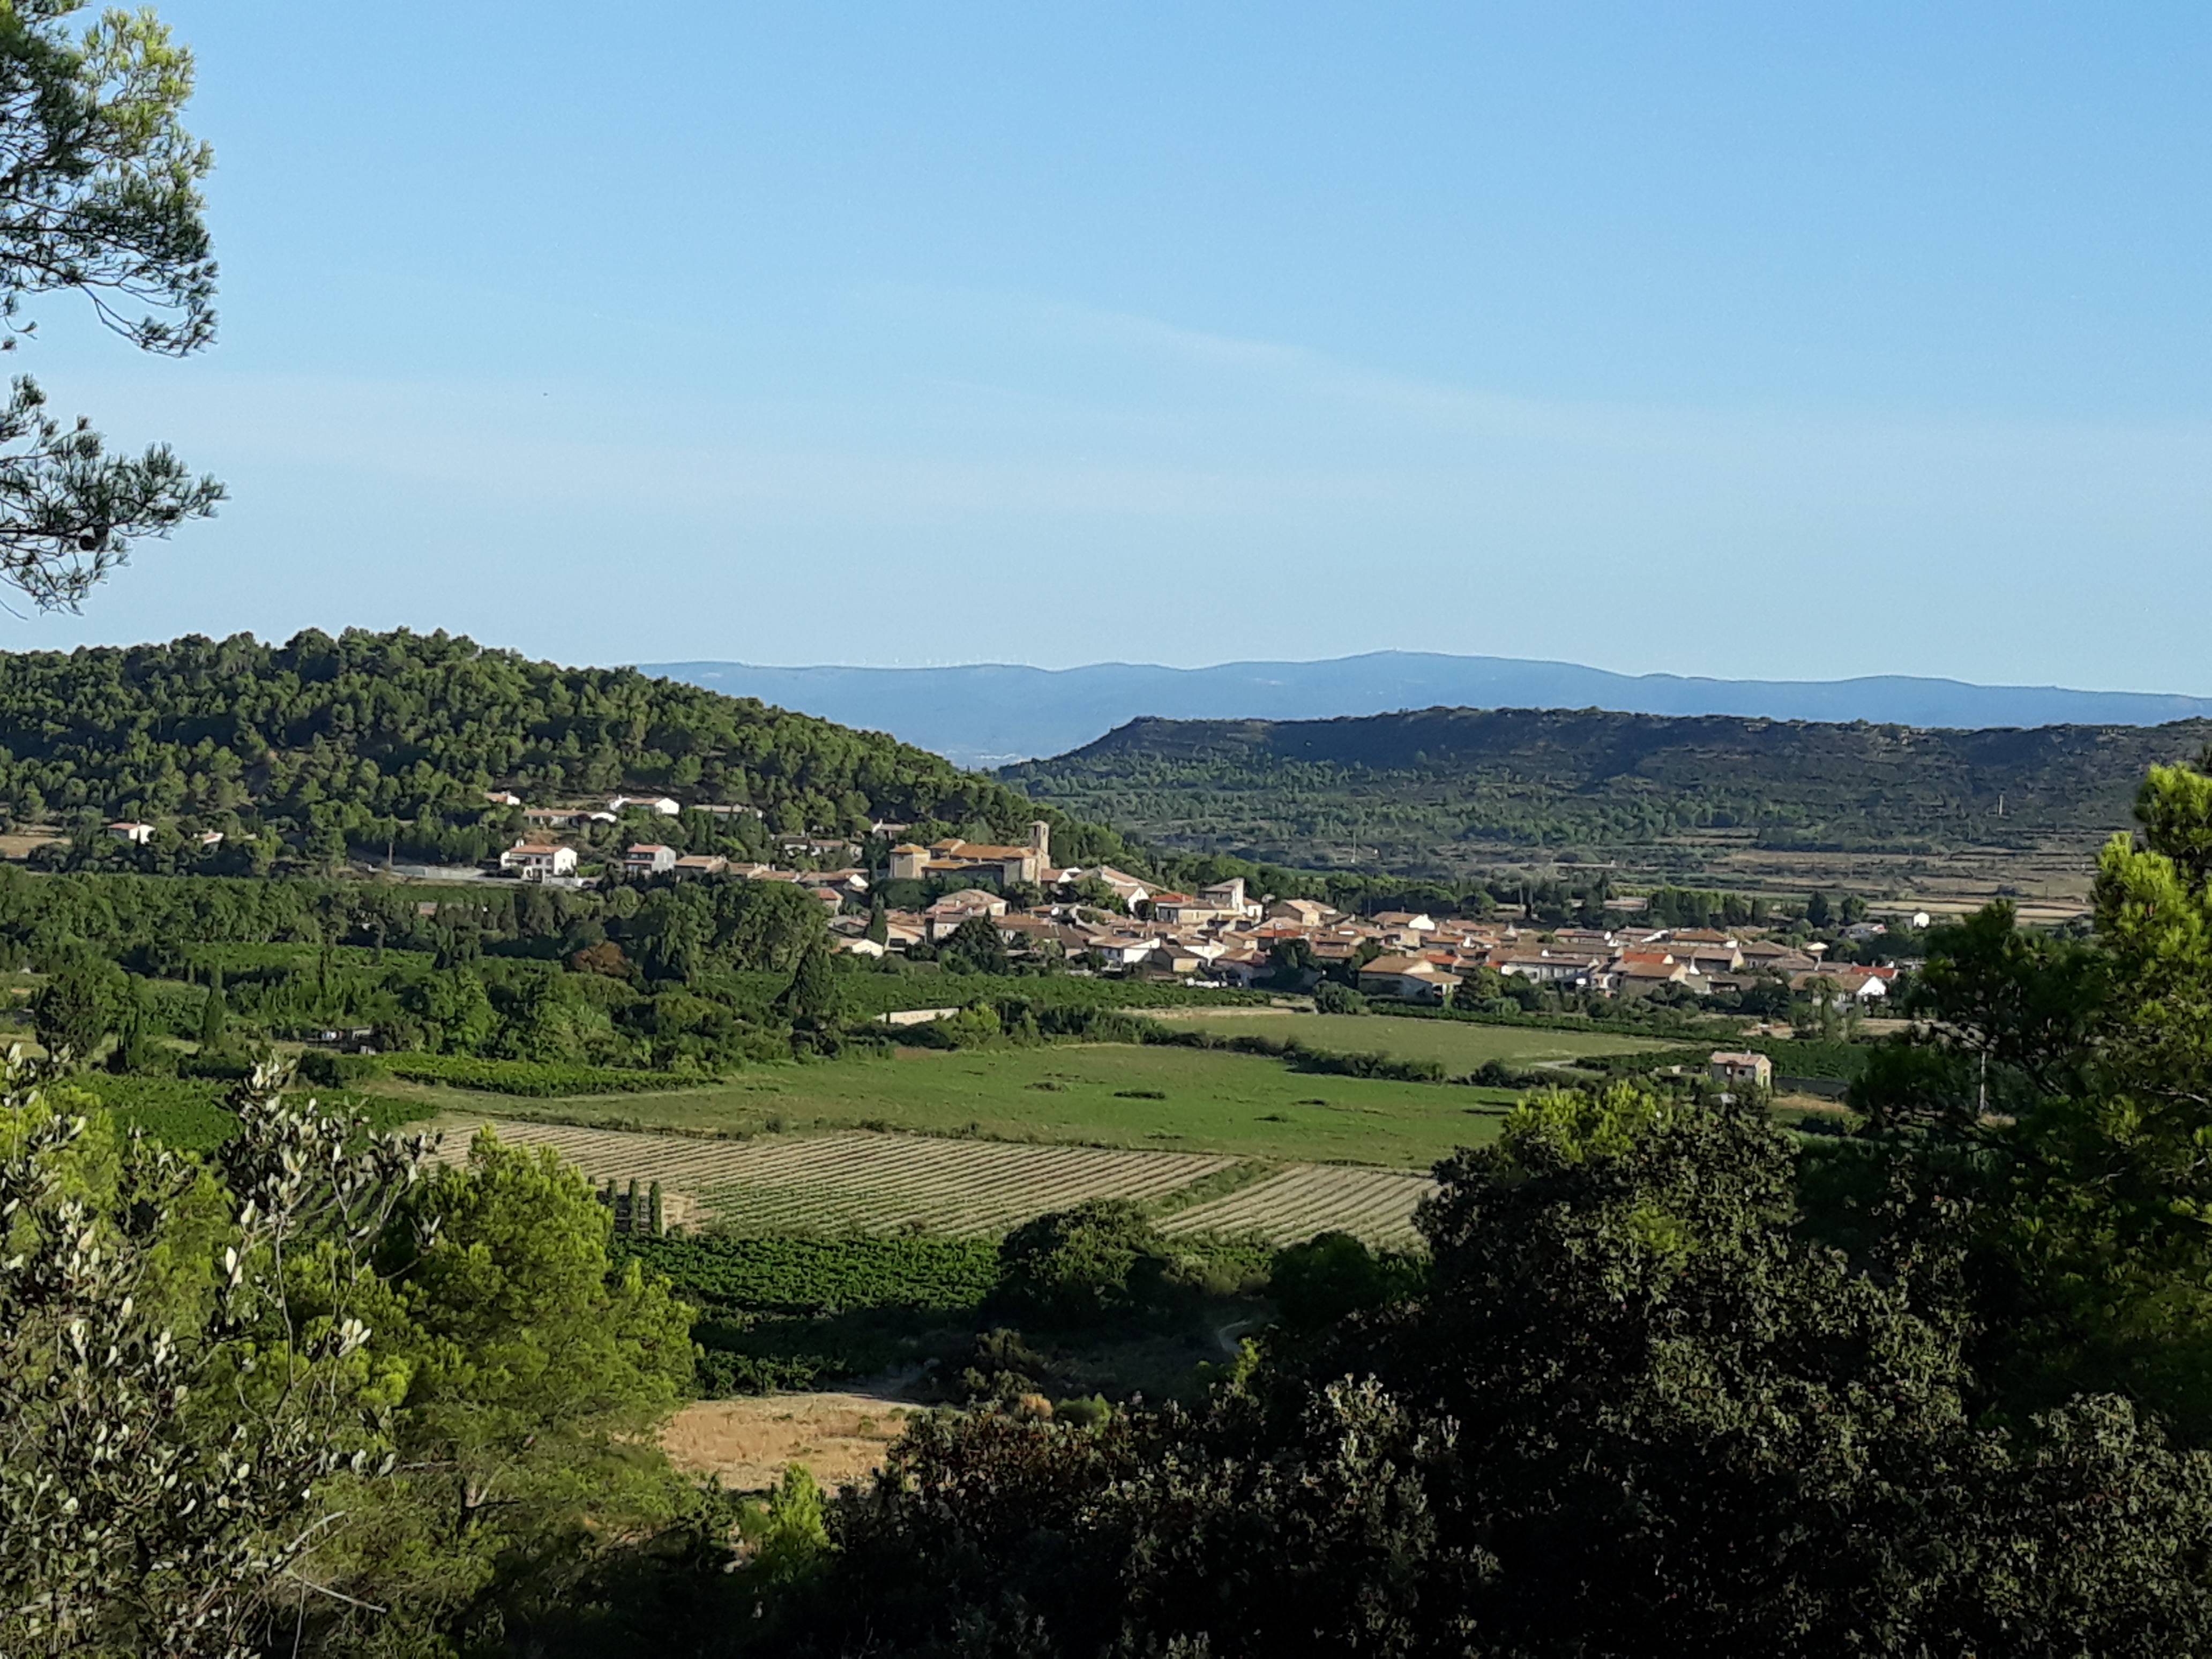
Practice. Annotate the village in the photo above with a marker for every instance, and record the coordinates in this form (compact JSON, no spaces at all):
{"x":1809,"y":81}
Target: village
{"x":1098,"y":918}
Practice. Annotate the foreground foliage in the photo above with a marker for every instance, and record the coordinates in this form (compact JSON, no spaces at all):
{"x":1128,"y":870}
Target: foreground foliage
{"x":102,"y":198}
{"x":1630,"y":1414}
{"x":182,"y":1368}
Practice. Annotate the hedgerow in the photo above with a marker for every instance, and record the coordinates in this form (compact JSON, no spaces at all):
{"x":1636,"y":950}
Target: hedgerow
{"x":192,"y":1114}
{"x":535,"y":1079}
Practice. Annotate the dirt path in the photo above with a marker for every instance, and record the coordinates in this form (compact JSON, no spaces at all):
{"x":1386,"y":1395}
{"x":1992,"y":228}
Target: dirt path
{"x":837,"y":1437}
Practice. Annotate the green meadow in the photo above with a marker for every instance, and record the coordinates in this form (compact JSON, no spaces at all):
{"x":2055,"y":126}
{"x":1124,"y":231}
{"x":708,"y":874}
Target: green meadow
{"x":1460,"y":1045}
{"x":1093,"y":1094}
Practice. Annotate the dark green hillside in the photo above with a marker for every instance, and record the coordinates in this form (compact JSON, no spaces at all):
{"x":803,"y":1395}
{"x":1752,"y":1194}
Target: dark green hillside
{"x":1557,"y":778}
{"x":371,"y":741}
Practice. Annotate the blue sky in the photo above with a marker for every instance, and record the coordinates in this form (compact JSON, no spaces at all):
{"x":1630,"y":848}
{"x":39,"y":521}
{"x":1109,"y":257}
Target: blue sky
{"x":1786,"y":342}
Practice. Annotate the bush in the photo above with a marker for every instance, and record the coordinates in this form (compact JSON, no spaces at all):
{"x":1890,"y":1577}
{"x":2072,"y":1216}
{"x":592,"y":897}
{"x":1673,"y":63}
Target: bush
{"x":1331,"y":997}
{"x":1003,"y":1367}
{"x":1098,"y":1261}
{"x":1085,"y":1412}
{"x":334,"y":1071}
{"x":1332,"y":1274}
{"x":721,"y":1374}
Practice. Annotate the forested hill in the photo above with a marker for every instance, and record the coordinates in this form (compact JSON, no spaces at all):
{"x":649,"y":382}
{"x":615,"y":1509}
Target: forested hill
{"x":1559,"y":777}
{"x":371,"y":740}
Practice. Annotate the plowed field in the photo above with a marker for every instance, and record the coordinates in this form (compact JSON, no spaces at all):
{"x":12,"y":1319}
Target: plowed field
{"x":886,"y":1182}
{"x":1376,"y":1205}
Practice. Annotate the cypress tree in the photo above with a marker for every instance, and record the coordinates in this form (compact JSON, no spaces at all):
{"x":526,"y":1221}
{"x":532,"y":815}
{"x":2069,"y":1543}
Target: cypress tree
{"x":215,"y":1013}
{"x":811,"y":997}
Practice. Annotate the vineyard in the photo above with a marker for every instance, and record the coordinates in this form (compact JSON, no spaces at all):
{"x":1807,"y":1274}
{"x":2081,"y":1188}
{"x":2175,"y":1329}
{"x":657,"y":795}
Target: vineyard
{"x":868,"y":1182}
{"x":1376,"y":1205}
{"x":865,"y":1183}
{"x":806,"y":1275}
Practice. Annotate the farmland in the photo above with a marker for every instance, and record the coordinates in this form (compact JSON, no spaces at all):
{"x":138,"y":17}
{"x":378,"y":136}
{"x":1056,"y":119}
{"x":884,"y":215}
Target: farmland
{"x":1459,"y":1046}
{"x":192,"y":1114}
{"x":1287,"y":1208}
{"x":799,"y":1275}
{"x":883,"y":1183}
{"x":1111,"y":1094}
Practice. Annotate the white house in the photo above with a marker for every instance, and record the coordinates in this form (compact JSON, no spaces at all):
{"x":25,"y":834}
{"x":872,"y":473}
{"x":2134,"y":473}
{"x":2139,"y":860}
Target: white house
{"x":1408,"y":921}
{"x":1851,"y":984}
{"x":1223,"y":901}
{"x":1120,"y":949}
{"x":649,"y":859}
{"x":659,"y":804}
{"x":1128,"y":888}
{"x":138,"y":833}
{"x":535,"y":861}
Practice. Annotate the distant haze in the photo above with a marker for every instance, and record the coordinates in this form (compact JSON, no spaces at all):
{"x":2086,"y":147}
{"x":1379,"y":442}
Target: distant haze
{"x":987,"y":714}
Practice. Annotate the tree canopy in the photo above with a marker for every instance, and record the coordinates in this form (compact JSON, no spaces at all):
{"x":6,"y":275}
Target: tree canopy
{"x":1401,"y":788}
{"x":101,"y":196}
{"x":370,"y":740}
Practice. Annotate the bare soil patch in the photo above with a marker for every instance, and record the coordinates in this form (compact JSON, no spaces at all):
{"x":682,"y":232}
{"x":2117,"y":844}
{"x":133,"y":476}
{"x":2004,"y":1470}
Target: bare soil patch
{"x":22,"y":844}
{"x":749,"y":1441}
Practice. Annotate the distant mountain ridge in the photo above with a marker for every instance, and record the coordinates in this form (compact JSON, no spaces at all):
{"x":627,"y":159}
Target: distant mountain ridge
{"x":986,"y":714}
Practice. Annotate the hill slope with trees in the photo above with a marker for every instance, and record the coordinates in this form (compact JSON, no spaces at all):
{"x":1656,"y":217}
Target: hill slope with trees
{"x":370,"y":741}
{"x":1409,"y":781}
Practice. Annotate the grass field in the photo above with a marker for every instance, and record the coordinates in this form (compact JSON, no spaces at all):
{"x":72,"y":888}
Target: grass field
{"x":1114,"y":1095}
{"x":1459,"y":1045}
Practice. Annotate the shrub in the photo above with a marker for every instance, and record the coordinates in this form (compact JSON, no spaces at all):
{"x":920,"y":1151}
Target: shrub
{"x":1330,"y":997}
{"x":1332,"y":1274}
{"x":1098,"y":1261}
{"x":334,"y":1071}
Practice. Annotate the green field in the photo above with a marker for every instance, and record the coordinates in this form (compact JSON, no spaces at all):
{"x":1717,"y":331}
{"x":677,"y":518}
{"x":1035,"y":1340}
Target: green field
{"x":1460,"y":1045}
{"x":1092,"y":1094}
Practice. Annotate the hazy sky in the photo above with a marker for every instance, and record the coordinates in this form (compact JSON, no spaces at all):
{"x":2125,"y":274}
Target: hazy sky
{"x":1739,"y":339}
